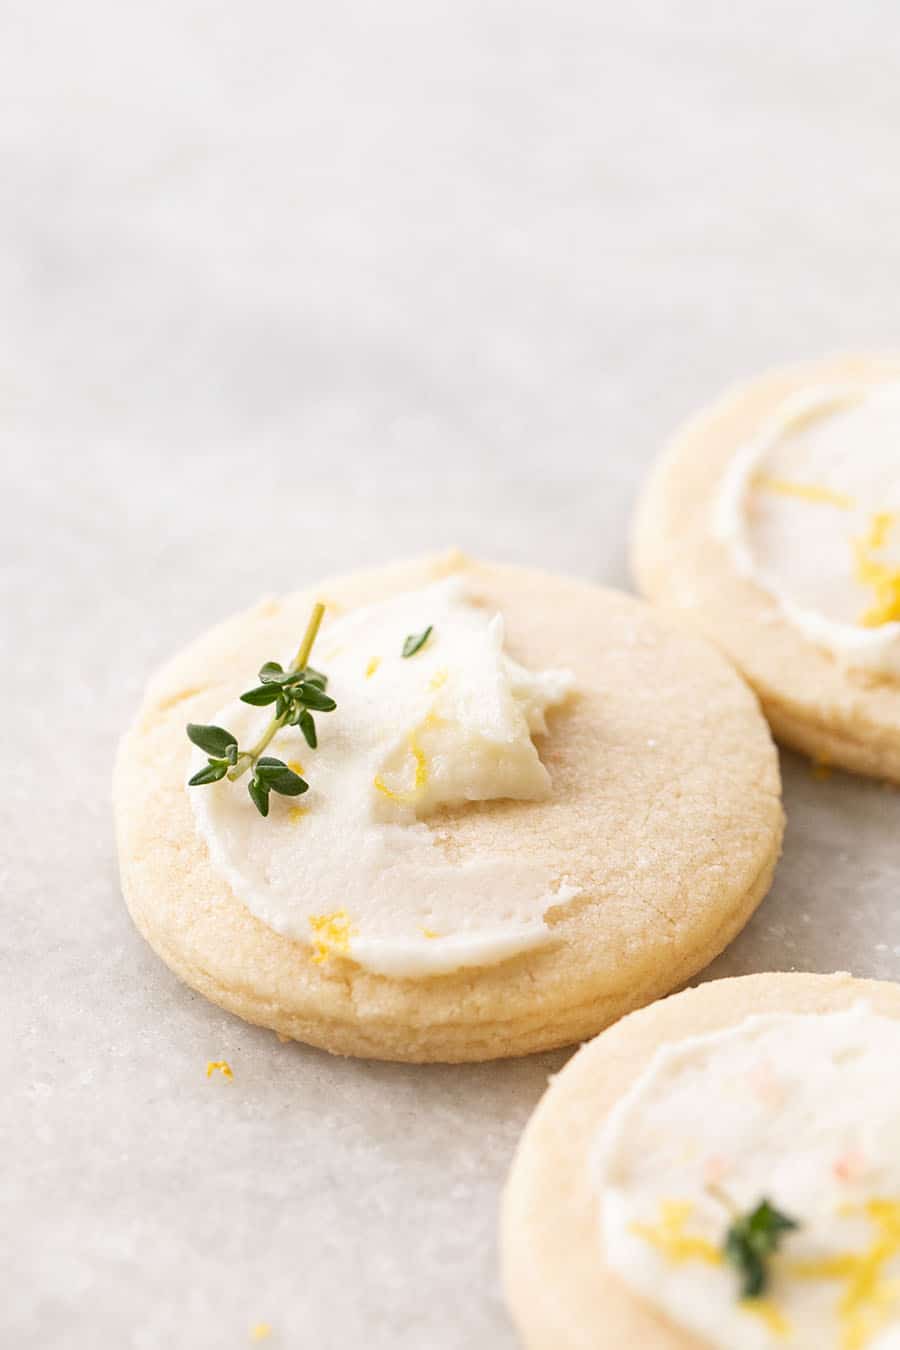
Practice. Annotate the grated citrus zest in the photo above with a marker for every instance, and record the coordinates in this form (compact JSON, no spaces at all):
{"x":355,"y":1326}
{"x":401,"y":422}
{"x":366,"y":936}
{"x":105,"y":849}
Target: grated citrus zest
{"x":769,"y":1314}
{"x":419,"y":780}
{"x":807,"y":492}
{"x":223,"y":1067}
{"x":874,"y":572}
{"x":332,"y":935}
{"x":669,"y":1237}
{"x":869,"y":1296}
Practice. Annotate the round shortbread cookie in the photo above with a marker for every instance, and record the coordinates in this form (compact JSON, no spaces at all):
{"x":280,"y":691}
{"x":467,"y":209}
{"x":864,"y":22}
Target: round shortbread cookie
{"x":561,"y":1295}
{"x":665,"y":810}
{"x":850,"y":718}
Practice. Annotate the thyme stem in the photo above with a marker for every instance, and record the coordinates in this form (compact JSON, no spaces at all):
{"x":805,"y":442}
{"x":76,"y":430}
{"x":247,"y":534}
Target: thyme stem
{"x":309,"y":637}
{"x":248,"y":758}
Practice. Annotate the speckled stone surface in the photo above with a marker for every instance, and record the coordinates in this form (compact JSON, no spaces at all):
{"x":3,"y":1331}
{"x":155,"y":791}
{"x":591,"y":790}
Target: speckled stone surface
{"x":286,"y":289}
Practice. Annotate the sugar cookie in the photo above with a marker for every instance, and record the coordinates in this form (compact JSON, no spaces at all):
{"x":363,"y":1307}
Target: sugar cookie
{"x":528,"y":826}
{"x":772,"y":524}
{"x":660,"y":1141}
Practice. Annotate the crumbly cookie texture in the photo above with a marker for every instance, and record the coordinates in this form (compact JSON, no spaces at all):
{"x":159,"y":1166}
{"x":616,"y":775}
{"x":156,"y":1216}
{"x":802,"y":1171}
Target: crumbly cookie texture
{"x":849,"y":718}
{"x":557,"y":1288}
{"x":665,"y":811}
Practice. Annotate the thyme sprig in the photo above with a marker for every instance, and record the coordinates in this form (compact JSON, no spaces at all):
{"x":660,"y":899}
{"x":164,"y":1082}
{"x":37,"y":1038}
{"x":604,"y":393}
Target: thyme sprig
{"x":296,"y":694}
{"x":751,"y":1240}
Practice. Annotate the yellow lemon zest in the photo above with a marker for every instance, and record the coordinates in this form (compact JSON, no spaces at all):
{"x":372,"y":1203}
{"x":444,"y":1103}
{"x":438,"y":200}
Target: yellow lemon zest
{"x":668,"y":1235}
{"x":295,"y":766}
{"x":296,"y":814}
{"x":418,"y":755}
{"x":372,"y":666}
{"x":887,"y":608}
{"x":768,"y":1313}
{"x":419,"y":780}
{"x":880,"y":528}
{"x":426,"y":932}
{"x":807,"y":492}
{"x":438,"y":678}
{"x":868,"y":1297}
{"x":332,"y":934}
{"x":221,"y":1065}
{"x":261,"y":1331}
{"x":883,"y":578}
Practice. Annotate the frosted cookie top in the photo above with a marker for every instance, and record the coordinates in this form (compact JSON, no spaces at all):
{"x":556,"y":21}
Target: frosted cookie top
{"x":811,"y":513}
{"x":749,"y":1183}
{"x":351,"y":867}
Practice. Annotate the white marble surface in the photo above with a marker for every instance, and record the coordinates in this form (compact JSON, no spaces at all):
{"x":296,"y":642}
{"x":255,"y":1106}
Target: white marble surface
{"x":286,"y":288}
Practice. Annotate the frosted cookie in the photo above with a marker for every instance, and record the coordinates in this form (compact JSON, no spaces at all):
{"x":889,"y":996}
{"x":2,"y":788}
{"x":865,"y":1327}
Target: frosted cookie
{"x":504,"y":808}
{"x":772,"y":522}
{"x":720,"y":1170}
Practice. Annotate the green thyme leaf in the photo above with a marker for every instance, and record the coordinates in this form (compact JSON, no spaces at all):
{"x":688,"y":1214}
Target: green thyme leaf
{"x":272,"y":673}
{"x":275,"y":774}
{"x":267,"y":763}
{"x":751,"y":1239}
{"x":308,"y":727}
{"x":259,"y":794}
{"x":315,"y":677}
{"x":313,"y":697}
{"x":214,"y":740}
{"x":211,"y":774}
{"x":416,"y":641}
{"x":261,"y":695}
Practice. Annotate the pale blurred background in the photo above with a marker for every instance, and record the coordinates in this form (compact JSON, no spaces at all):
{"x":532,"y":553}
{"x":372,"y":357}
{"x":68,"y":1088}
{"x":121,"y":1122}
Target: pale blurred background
{"x":290,"y":288}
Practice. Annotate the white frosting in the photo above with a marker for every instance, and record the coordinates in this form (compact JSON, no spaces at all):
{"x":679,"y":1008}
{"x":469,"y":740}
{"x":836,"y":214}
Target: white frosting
{"x":451,"y":724}
{"x":840,"y":446}
{"x":801,"y":1110}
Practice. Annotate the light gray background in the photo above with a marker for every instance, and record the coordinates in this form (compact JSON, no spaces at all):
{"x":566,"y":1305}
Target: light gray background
{"x":287,"y":288}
